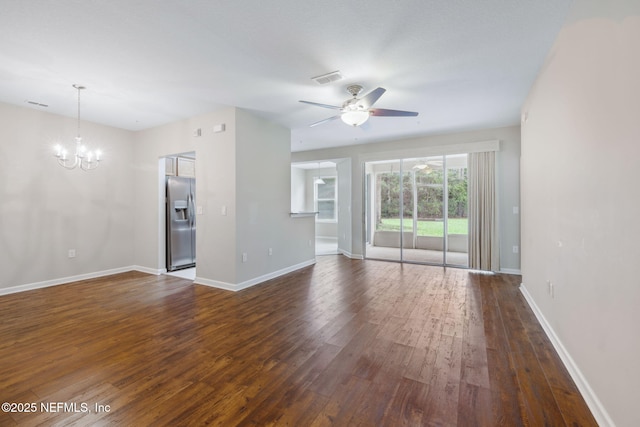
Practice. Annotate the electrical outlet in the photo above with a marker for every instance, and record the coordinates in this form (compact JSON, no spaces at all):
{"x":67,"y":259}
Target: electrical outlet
{"x":516,"y":249}
{"x":72,"y":253}
{"x":270,"y":251}
{"x":244,"y":257}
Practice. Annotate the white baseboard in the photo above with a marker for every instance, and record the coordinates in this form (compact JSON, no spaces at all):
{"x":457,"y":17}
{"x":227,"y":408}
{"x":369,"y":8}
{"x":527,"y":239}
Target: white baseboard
{"x":249,"y":283}
{"x":63,"y":280}
{"x":154,"y":271}
{"x":597,"y":409}
{"x":511,"y":271}
{"x":349,"y":254}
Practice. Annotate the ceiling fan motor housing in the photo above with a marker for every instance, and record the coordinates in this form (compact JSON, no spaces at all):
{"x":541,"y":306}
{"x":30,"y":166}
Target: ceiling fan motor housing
{"x":352,"y":104}
{"x":354,"y":90}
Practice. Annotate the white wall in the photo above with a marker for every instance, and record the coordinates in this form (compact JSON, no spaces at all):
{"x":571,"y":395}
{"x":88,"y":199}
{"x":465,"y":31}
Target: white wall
{"x":508,"y":176}
{"x":45,"y":210}
{"x":580,"y":204}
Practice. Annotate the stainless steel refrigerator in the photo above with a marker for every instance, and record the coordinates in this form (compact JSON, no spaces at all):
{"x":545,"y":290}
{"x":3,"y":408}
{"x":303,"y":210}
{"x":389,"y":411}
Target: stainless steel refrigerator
{"x":181,"y":223}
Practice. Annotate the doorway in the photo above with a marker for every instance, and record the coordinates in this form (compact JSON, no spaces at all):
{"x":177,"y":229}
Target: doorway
{"x":316,"y":187}
{"x":178,"y":190}
{"x":416,"y":210}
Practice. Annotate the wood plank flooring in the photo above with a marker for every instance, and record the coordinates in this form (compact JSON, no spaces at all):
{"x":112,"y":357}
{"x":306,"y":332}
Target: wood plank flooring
{"x":343,"y":342}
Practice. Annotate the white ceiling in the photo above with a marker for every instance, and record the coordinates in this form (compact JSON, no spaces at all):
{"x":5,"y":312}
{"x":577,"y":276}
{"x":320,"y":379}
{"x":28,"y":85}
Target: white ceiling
{"x":464,"y":64}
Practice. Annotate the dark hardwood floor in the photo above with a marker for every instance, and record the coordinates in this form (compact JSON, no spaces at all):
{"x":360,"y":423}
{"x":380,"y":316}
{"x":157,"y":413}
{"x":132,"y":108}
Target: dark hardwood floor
{"x":343,"y":342}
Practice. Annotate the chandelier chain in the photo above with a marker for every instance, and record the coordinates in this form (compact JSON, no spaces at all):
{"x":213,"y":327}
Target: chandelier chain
{"x":78,"y":112}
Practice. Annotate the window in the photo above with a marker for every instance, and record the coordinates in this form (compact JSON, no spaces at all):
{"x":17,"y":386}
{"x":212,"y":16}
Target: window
{"x":326,"y":199}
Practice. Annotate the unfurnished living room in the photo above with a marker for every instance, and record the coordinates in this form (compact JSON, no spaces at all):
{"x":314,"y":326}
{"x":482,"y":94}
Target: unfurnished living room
{"x":379,"y":213}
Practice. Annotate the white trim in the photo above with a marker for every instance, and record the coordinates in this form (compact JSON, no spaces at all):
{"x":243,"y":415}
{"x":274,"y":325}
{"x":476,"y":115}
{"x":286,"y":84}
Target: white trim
{"x":433,"y":150}
{"x":511,"y":271}
{"x":154,"y":271}
{"x":252,"y":282}
{"x":62,"y":280}
{"x":597,"y":409}
{"x":349,"y":254}
{"x":215,"y":284}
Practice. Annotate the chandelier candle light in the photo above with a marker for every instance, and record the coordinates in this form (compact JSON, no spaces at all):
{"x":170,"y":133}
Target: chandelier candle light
{"x":85,"y":160}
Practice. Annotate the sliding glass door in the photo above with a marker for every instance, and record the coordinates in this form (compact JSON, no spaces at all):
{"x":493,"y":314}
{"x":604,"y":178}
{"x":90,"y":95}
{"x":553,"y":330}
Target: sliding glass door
{"x":409,"y":217}
{"x":386,"y":213}
{"x":428,"y":216}
{"x":457,"y":230}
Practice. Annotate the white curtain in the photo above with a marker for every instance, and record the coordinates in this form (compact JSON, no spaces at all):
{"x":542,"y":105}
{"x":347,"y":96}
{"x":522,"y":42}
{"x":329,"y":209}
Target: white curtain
{"x":483,"y":226}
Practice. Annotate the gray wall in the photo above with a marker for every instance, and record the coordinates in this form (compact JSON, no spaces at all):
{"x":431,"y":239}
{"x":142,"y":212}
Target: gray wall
{"x":508,"y":177}
{"x":46,"y":210}
{"x":580,"y":227}
{"x":149,"y":146}
{"x":263,"y":177}
{"x":344,"y":230}
{"x":243,"y":171}
{"x":114,"y":218}
{"x":298,"y":190}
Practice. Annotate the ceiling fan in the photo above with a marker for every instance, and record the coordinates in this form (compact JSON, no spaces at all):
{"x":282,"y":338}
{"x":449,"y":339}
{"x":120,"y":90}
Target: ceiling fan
{"x":356,"y":111}
{"x":426,"y":166}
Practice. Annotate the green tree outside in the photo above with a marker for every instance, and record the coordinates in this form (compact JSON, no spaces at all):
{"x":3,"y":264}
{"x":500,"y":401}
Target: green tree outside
{"x":429,"y":189}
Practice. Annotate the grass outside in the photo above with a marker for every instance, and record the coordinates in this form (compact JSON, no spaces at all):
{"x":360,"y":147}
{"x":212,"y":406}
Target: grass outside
{"x":426,"y":228}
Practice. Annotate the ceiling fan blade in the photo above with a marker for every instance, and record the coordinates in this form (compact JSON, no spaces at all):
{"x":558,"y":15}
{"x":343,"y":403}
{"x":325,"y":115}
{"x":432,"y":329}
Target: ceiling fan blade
{"x":395,"y":113}
{"x":369,"y":99}
{"x":333,"y":107}
{"x":324,"y":121}
{"x":366,"y":126}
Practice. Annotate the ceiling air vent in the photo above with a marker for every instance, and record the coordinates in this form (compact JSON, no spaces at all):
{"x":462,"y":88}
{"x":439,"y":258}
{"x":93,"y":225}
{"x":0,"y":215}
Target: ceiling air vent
{"x":328,"y":78}
{"x":39,"y":104}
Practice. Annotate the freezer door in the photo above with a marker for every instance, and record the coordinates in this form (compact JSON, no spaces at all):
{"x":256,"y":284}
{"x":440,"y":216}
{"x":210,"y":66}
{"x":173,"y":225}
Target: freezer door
{"x":192,"y":215}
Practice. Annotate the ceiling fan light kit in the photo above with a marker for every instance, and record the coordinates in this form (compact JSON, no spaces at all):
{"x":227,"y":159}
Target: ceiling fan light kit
{"x":356,"y":111}
{"x":355,"y":117}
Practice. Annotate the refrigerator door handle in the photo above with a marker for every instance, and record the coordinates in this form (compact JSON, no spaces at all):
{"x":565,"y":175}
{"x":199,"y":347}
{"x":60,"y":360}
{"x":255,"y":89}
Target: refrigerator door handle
{"x":191,"y":209}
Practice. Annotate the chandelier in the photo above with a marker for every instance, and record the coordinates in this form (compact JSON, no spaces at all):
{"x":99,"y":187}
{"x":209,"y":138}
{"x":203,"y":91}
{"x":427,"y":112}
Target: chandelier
{"x":82,"y":158}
